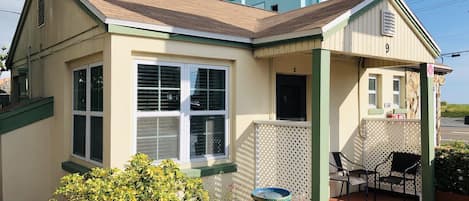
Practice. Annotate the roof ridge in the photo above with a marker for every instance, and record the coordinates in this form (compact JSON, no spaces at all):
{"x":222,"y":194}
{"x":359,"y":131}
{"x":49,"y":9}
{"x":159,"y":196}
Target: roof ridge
{"x":246,"y":6}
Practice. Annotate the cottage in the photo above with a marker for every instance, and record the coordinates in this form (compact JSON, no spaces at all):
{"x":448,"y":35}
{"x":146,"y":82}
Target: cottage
{"x":191,"y":80}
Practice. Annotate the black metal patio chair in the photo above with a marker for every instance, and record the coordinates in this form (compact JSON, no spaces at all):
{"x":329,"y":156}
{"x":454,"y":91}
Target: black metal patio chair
{"x":404,"y":167}
{"x":350,"y":177}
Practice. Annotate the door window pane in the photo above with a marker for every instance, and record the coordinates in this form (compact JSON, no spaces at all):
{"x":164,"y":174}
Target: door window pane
{"x":79,"y":135}
{"x":96,"y":139}
{"x":207,"y":135}
{"x":97,"y":89}
{"x":79,"y":90}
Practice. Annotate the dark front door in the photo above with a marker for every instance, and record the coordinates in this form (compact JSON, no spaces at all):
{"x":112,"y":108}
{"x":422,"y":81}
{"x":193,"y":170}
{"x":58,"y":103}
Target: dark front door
{"x":291,"y":97}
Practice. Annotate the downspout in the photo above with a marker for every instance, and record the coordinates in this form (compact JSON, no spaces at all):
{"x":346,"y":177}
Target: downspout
{"x":361,"y":63}
{"x":30,"y":94}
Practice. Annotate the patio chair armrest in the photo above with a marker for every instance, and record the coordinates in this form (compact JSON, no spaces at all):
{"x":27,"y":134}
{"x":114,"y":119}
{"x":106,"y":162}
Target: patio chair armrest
{"x":343,"y":169}
{"x":412,"y":167}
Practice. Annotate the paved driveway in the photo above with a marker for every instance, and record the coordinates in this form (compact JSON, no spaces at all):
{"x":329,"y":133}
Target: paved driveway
{"x":453,"y":129}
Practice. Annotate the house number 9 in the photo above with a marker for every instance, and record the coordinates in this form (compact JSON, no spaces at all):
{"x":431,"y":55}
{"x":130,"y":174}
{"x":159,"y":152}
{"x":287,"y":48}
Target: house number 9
{"x":387,"y":48}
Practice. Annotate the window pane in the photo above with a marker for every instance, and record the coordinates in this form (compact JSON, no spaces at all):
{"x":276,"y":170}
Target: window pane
{"x":170,"y":100}
{"x":170,"y":77}
{"x":396,"y":99}
{"x":217,"y":79}
{"x":372,"y":84}
{"x":148,"y":76}
{"x":207,"y":135}
{"x":396,"y":86}
{"x":199,"y":100}
{"x":217,"y":100}
{"x":199,"y":78}
{"x":96,"y":139}
{"x":79,"y":90}
{"x":158,"y":137}
{"x":97,"y":89}
{"x":147,"y":100}
{"x":79,"y":135}
{"x":41,"y":13}
{"x":372,"y":99}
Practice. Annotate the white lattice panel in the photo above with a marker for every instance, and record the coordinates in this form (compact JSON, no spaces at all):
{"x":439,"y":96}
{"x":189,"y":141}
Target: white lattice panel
{"x":382,"y":136}
{"x":283,"y":157}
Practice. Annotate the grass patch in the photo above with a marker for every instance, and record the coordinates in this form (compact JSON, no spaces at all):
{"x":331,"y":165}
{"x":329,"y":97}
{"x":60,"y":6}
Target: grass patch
{"x":454,"y":110}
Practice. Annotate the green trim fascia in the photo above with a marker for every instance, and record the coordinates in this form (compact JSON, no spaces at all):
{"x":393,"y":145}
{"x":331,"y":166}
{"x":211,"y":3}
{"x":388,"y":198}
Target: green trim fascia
{"x":214,"y":170}
{"x":427,"y":134}
{"x":286,"y":41}
{"x":117,"y":29}
{"x":320,"y":123}
{"x":375,"y":111}
{"x":419,"y":29}
{"x":399,"y":111}
{"x":193,"y":173}
{"x":16,"y":37}
{"x":27,"y":114}
{"x":73,"y":167}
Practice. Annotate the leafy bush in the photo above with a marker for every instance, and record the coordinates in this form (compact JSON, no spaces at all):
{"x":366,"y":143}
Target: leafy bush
{"x":452,"y":168}
{"x":140,"y":181}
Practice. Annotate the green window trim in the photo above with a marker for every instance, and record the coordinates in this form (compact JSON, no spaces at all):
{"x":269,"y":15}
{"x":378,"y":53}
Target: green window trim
{"x":400,"y":111}
{"x":199,"y":172}
{"x":26,"y":114}
{"x":73,"y":167}
{"x":375,"y":111}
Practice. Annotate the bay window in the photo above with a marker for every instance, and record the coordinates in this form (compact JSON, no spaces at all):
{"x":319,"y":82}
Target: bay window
{"x":87,"y":138}
{"x":181,"y":111}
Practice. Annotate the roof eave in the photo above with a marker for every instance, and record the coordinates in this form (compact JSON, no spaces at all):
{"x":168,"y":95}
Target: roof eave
{"x":19,"y":28}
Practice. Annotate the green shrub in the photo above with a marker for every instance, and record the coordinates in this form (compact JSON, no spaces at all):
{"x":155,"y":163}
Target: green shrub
{"x":140,"y":181}
{"x":452,"y":168}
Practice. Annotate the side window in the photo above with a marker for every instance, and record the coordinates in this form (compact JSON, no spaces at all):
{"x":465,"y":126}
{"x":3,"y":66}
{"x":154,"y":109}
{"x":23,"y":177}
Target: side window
{"x":373,"y":91}
{"x":88,"y":113}
{"x":41,"y":12}
{"x":397,"y":91}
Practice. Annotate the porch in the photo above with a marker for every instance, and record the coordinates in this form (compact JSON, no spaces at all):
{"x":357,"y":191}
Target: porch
{"x":283,"y":154}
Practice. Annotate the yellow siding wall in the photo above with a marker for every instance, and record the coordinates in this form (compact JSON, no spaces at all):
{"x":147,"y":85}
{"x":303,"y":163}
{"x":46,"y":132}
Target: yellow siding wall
{"x":63,"y":20}
{"x":362,"y":36}
{"x":288,"y":48}
{"x":69,"y":39}
{"x":26,"y":162}
{"x":249,"y":100}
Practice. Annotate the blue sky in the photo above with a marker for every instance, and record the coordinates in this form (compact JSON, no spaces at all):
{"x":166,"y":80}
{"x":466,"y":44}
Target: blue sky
{"x":446,"y":20}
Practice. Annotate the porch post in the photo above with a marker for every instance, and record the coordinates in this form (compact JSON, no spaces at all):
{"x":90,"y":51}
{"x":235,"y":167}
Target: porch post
{"x":320,"y":125}
{"x":427,"y":131}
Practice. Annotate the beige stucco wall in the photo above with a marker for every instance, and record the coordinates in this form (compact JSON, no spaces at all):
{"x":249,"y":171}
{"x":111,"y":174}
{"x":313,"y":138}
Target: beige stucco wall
{"x":248,"y":94}
{"x":362,"y":36}
{"x":26,"y":162}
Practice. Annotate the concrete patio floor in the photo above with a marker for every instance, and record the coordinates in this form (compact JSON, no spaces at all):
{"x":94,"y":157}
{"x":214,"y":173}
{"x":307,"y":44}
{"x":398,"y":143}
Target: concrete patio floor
{"x":382,"y":196}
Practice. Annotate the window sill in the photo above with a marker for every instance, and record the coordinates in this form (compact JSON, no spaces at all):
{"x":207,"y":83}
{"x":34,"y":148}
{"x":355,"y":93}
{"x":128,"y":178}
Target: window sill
{"x":375,"y":111}
{"x":73,"y":167}
{"x":211,"y":170}
{"x":400,"y":111}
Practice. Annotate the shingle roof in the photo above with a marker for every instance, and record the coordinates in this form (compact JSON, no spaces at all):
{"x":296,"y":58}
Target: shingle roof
{"x":202,"y":15}
{"x":304,"y":19}
{"x":221,"y":17}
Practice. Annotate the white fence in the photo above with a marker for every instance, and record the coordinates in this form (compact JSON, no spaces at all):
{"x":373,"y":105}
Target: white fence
{"x":283,"y":156}
{"x":283,"y":151}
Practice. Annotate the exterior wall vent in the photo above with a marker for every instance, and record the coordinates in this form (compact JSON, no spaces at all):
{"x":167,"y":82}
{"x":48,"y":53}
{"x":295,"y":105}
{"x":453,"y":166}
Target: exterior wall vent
{"x":388,"y":23}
